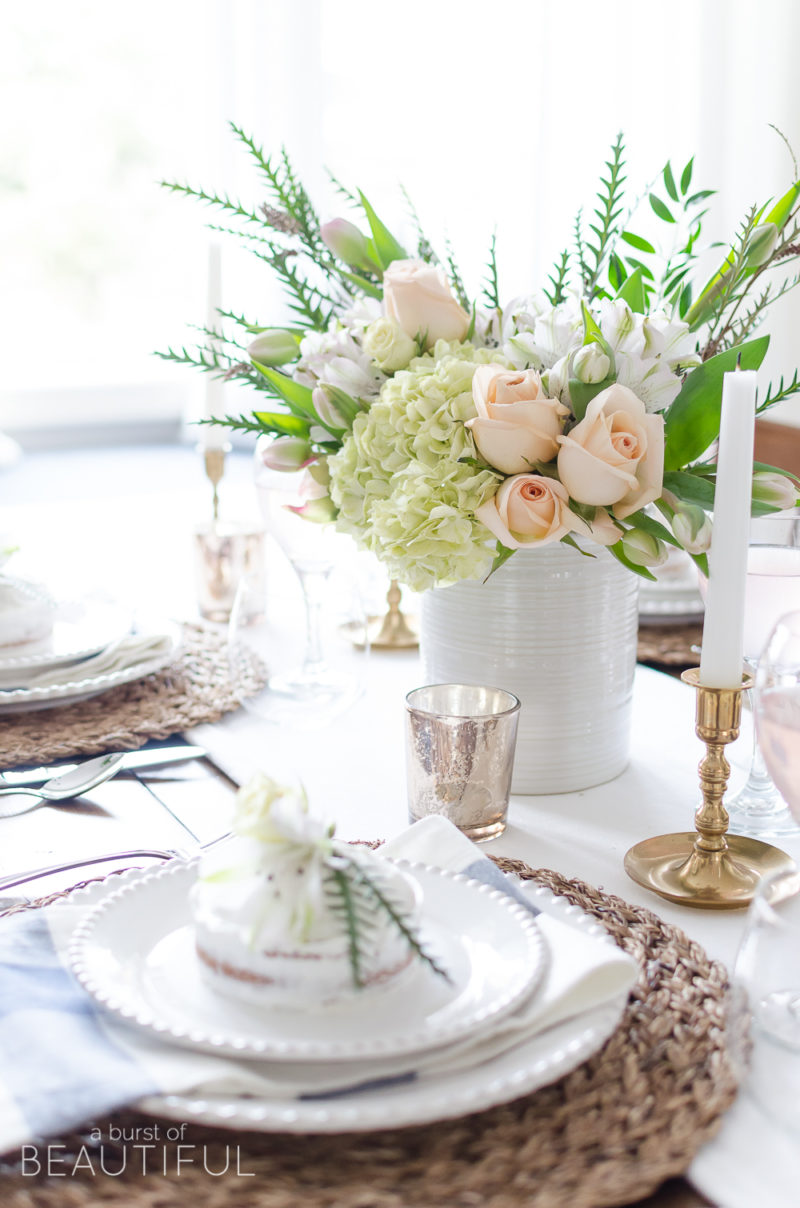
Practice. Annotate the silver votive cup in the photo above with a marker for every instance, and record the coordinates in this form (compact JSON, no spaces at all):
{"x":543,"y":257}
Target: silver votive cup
{"x":460,"y":741}
{"x":224,"y":552}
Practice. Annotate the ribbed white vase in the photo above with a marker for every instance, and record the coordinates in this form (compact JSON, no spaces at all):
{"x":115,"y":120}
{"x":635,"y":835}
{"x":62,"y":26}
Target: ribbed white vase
{"x":558,"y":630}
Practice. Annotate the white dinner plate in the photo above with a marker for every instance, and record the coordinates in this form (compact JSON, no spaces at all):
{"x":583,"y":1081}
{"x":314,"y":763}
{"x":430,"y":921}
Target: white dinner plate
{"x":28,"y":700}
{"x":81,"y":628}
{"x":135,"y":954}
{"x":442,"y":1096}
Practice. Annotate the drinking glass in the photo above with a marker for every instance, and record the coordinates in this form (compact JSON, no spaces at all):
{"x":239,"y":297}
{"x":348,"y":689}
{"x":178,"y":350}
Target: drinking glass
{"x":304,"y":646}
{"x":460,"y":741}
{"x":766,"y":985}
{"x":777,"y":697}
{"x":773,"y":587}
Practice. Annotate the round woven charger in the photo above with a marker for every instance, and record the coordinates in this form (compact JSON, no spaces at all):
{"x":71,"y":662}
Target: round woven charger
{"x":195,"y":688}
{"x":608,"y":1133}
{"x":669,"y":645}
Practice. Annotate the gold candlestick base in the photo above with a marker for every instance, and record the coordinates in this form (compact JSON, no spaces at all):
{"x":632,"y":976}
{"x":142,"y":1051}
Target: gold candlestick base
{"x":392,"y":631}
{"x":708,"y":869}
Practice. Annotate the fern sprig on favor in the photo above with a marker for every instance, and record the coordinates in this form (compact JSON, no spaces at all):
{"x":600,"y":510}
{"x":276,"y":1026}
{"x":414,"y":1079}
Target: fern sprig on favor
{"x":344,"y":890}
{"x":357,"y":896}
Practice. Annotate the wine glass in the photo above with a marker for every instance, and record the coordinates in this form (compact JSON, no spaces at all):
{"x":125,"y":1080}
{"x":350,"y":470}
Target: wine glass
{"x":773,"y":586}
{"x":765,"y":992}
{"x":777,"y":697}
{"x":305,"y":645}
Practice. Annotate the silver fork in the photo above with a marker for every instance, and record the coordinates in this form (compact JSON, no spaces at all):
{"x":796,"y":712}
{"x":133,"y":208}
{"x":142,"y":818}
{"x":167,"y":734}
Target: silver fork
{"x":169,"y":853}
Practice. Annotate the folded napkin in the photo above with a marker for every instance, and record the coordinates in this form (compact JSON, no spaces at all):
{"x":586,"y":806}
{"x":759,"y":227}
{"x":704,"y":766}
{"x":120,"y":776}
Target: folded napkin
{"x":65,"y":1061}
{"x":123,"y":655}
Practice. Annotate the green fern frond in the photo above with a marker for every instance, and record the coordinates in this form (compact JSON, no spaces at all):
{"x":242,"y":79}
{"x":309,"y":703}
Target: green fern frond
{"x":348,"y":195}
{"x":425,"y":249}
{"x":781,"y":393}
{"x":558,"y":280}
{"x":605,"y":230}
{"x":491,"y":288}
{"x":343,"y":887}
{"x":221,"y":200}
{"x":455,"y":276}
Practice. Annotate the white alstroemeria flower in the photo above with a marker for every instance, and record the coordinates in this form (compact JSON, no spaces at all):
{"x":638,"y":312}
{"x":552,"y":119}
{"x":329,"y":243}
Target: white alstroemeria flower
{"x":338,"y":359}
{"x":559,"y":331}
{"x":619,"y":326}
{"x":364,"y":311}
{"x":521,"y":351}
{"x":650,"y":380}
{"x":670,"y":339}
{"x":520,"y":314}
{"x":556,"y":381}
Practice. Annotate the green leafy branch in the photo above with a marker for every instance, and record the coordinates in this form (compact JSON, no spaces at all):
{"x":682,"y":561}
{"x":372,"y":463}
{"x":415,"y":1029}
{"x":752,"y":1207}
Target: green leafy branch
{"x":455,"y":277}
{"x":558,"y":279}
{"x":781,"y":393}
{"x":425,"y":249}
{"x":221,"y":200}
{"x":491,"y":287}
{"x":604,"y":229}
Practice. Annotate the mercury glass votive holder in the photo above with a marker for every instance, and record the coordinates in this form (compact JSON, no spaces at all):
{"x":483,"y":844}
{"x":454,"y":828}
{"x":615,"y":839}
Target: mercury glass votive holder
{"x":224,"y":552}
{"x":460,"y":743}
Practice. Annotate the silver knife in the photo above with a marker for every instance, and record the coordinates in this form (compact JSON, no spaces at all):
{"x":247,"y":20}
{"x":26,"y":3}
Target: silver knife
{"x":133,"y":761}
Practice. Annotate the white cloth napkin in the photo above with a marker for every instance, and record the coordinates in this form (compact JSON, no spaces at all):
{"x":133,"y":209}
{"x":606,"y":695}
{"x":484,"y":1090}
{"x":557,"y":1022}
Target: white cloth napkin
{"x":85,"y":1062}
{"x":127,"y":653}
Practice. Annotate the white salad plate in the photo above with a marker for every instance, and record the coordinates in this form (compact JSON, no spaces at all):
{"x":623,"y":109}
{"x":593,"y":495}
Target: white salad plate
{"x":28,"y":700}
{"x":524,"y":1068}
{"x":135,"y":954}
{"x":81,"y":628}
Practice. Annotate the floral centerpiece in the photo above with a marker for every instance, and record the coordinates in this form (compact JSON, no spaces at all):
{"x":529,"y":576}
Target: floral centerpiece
{"x":447,"y":432}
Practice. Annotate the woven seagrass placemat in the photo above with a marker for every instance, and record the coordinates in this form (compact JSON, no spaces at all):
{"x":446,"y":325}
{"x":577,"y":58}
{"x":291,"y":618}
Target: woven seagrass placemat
{"x":670,"y":645}
{"x":607,"y":1134}
{"x":197,"y":687}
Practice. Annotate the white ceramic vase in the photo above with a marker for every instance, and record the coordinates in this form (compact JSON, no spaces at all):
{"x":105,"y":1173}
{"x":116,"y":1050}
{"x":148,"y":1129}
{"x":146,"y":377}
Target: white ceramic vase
{"x":559,"y":630}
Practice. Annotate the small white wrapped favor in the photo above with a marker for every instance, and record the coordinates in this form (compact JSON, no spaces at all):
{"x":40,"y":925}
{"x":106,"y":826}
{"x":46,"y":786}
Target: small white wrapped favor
{"x":286,"y":915}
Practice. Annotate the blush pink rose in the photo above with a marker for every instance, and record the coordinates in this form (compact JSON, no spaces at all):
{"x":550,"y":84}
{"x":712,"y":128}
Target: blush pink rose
{"x":418,"y":297}
{"x":615,"y":456}
{"x":602,"y":530}
{"x":517,"y":424}
{"x":528,"y":509}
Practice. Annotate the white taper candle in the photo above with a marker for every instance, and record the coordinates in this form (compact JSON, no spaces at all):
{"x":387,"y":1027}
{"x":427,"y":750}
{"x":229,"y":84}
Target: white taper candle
{"x":721,"y":658}
{"x":213,"y":437}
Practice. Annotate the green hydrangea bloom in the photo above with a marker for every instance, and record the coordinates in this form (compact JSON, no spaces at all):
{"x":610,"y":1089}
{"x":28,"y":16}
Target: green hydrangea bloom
{"x":397,"y":481}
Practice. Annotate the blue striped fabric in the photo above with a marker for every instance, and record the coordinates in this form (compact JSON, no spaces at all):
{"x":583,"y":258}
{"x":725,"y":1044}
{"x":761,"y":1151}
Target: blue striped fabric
{"x":56,"y":1061}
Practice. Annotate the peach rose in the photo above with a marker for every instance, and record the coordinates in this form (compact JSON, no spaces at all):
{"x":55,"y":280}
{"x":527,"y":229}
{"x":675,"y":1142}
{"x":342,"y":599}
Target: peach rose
{"x":517,"y":424}
{"x":615,"y":456}
{"x":528,"y":509}
{"x":418,"y":297}
{"x":602,"y":530}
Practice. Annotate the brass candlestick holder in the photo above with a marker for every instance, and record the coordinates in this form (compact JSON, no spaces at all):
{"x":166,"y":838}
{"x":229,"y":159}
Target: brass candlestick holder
{"x":709,"y":868}
{"x":392,"y":631}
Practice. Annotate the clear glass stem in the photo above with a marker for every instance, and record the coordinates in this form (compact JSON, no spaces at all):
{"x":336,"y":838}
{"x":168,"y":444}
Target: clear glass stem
{"x":313,"y":583}
{"x":758,"y":780}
